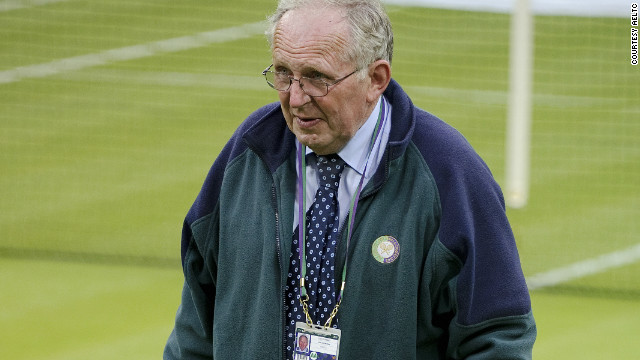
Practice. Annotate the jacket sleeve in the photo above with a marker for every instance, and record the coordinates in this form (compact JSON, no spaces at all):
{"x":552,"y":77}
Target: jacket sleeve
{"x":501,"y":337}
{"x":192,"y":336}
{"x":492,"y":316}
{"x":506,"y":338}
{"x":488,"y":305}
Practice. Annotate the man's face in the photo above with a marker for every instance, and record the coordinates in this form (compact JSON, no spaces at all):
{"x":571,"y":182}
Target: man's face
{"x":303,"y":342}
{"x":309,"y":42}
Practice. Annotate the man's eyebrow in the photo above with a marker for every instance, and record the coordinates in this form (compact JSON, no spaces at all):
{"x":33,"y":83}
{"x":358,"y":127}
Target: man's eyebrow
{"x":305,"y":70}
{"x":312,"y":70}
{"x":279,"y":67}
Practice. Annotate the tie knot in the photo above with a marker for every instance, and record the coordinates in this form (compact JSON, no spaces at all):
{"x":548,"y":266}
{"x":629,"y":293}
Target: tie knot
{"x":329,"y":170}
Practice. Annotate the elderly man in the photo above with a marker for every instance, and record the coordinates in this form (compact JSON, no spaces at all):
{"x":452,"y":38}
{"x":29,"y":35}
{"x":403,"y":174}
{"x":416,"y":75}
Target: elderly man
{"x":302,"y":350}
{"x":347,"y":213}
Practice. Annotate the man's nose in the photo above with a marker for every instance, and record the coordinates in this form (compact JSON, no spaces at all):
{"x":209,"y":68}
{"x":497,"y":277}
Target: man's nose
{"x":297,"y":97}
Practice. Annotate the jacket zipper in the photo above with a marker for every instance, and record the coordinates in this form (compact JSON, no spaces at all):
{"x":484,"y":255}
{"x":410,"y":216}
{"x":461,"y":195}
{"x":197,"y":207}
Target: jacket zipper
{"x":282,"y":288}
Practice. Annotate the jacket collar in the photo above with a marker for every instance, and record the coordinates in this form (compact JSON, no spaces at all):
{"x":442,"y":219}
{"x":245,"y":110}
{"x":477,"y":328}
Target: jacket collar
{"x":272,"y":140}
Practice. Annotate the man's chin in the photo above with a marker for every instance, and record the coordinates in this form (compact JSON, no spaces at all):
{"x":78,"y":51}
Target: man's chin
{"x":320,"y":145}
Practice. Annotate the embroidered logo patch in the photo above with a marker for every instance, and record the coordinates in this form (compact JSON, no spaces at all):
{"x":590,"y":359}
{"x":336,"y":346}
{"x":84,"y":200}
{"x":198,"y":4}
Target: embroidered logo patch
{"x":385,"y":249}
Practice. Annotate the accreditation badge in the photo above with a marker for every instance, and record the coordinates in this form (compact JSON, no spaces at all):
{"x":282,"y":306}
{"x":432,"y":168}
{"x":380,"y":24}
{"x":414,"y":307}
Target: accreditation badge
{"x":316,"y":342}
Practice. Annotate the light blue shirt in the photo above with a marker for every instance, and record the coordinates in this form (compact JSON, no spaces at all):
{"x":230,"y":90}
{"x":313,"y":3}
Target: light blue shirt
{"x":354,"y":153}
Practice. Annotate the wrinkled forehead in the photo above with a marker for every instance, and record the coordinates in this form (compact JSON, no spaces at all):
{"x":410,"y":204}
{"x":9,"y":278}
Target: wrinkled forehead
{"x":315,"y":20}
{"x":321,"y":31}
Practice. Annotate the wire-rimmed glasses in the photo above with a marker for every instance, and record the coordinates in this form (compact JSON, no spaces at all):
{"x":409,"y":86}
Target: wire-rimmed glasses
{"x":314,"y":87}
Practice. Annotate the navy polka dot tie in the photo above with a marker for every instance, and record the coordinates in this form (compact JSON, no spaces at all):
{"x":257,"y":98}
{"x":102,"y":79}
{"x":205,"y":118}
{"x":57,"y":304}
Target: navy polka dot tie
{"x":321,"y":240}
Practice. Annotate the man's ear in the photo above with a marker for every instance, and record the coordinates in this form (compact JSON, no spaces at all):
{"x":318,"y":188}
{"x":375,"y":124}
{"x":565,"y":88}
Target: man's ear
{"x":380,"y":75}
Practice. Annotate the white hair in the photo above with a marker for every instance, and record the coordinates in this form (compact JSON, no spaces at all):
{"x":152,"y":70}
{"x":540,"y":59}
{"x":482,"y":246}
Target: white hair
{"x":370,"y":27}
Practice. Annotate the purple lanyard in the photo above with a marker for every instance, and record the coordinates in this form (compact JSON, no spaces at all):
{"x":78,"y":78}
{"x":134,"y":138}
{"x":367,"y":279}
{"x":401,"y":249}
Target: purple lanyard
{"x":302,"y":181}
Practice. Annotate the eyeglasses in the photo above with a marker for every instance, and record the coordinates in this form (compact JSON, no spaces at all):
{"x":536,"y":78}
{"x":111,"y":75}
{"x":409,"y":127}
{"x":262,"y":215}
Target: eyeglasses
{"x":314,"y":87}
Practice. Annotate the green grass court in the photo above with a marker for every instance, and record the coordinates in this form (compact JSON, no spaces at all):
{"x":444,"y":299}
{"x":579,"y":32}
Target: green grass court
{"x":101,"y":155}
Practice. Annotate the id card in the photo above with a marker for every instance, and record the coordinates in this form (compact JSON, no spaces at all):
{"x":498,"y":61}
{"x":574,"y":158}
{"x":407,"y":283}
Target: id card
{"x":316,"y":342}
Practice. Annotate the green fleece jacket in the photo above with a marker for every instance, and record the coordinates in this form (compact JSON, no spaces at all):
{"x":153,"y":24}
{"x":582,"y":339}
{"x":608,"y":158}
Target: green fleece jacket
{"x":455,"y":291}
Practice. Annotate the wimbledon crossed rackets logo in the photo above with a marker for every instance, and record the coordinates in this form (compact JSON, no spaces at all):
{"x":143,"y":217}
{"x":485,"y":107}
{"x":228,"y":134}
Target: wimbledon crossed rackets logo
{"x":385,"y":249}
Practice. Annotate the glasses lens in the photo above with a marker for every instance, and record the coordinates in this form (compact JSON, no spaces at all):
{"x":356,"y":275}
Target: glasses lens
{"x":279,"y":82}
{"x":313,"y":87}
{"x":282,"y":82}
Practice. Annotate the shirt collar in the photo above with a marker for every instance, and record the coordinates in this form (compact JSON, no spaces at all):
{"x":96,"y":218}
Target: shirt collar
{"x":354,"y":153}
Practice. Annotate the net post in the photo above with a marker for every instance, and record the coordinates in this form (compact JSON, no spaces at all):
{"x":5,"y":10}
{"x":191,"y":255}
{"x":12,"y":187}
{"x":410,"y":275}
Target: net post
{"x":518,"y":139}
